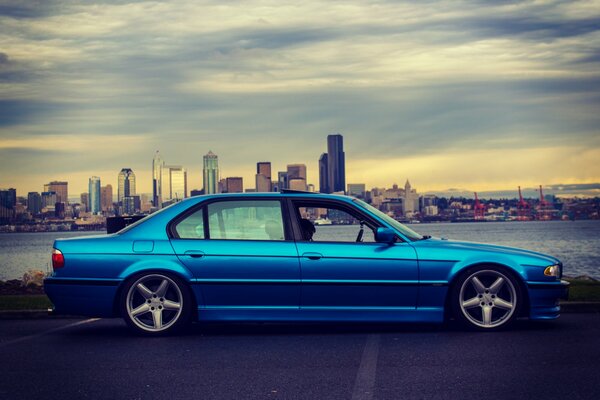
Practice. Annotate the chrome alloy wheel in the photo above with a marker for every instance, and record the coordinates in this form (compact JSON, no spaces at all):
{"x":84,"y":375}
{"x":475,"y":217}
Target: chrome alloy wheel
{"x":154,"y":303}
{"x":488,"y":298}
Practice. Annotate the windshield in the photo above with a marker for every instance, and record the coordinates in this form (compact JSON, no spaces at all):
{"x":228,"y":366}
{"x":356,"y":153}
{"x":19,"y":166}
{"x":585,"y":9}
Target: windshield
{"x":409,"y":233}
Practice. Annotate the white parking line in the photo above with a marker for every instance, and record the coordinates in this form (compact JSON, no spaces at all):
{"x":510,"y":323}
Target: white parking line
{"x":35,"y":335}
{"x":364,"y":386}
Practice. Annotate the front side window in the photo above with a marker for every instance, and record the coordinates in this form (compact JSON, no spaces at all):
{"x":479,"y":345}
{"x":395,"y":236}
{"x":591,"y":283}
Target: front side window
{"x":331,"y":224}
{"x":246,"y":220}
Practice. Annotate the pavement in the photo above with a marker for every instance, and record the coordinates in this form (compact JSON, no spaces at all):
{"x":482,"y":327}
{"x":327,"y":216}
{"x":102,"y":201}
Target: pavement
{"x":101,"y":359}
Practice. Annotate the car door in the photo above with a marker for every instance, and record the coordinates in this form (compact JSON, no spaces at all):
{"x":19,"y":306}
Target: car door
{"x":340,"y":273}
{"x":240,"y":253}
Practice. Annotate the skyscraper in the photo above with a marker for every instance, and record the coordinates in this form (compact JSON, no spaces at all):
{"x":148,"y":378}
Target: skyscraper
{"x":263,"y":177}
{"x":34,"y":202}
{"x":126,"y":184}
{"x":234,"y":184}
{"x":94,"y":195}
{"x":60,"y":188}
{"x":106,"y":198}
{"x":174,"y":182}
{"x":323,"y":175}
{"x":157,"y":165}
{"x":296,"y":176}
{"x":211,"y":173}
{"x":336,"y":163}
{"x":282,"y":180}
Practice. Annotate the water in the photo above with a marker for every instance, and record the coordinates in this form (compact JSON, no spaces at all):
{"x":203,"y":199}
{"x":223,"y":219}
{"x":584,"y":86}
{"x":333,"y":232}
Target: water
{"x":576,"y":244}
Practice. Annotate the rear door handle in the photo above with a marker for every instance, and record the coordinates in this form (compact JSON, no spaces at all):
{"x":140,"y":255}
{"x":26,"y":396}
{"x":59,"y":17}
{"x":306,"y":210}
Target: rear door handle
{"x":194,"y":253}
{"x":313,"y":256}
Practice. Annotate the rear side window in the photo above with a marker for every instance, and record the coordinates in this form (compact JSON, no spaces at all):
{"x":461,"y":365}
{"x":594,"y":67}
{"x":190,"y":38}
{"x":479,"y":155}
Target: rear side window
{"x":192,"y":227}
{"x":246,"y":220}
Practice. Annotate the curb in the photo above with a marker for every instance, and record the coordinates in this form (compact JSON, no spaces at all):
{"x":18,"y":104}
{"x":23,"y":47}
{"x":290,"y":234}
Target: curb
{"x":569,"y":307}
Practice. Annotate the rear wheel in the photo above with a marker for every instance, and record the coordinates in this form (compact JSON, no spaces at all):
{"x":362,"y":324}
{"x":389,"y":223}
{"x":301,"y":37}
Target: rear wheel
{"x":486,"y":298}
{"x":156,"y":304}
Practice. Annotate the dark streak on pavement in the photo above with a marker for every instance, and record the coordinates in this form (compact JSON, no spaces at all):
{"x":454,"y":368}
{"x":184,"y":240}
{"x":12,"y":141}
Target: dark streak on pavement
{"x":103,"y":360}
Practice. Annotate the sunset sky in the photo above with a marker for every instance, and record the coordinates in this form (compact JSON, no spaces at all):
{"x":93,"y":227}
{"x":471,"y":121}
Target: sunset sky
{"x":470,"y":95}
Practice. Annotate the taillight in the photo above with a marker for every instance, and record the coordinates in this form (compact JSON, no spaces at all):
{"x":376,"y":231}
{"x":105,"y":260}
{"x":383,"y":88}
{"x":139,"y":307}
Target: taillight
{"x":58,"y":260}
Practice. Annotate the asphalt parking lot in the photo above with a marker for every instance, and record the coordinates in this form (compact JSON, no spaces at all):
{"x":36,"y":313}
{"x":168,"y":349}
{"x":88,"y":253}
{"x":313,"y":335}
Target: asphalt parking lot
{"x":100,"y":359}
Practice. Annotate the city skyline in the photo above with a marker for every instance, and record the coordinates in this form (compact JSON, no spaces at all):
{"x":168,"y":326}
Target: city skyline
{"x":472,"y":96}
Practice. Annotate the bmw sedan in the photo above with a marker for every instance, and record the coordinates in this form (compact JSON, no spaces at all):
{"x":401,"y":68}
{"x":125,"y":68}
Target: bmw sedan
{"x":261,"y":257}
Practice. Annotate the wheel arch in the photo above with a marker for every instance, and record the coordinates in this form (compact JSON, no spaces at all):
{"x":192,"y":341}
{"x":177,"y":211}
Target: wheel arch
{"x":519,"y":279}
{"x":137,"y":272}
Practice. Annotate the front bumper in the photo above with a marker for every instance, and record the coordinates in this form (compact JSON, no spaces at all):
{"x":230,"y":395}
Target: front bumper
{"x":544,"y":298}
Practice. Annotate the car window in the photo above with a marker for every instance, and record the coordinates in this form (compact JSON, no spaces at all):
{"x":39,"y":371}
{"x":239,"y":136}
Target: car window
{"x":192,"y":227}
{"x":246,"y":220}
{"x":330,"y":224}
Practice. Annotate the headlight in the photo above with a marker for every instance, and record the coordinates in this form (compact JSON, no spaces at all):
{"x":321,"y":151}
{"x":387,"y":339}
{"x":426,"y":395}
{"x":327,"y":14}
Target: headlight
{"x":553,"y":270}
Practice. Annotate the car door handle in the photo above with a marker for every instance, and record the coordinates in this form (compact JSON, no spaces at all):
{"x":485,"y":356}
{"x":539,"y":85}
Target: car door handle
{"x":313,"y":256}
{"x":194,"y":253}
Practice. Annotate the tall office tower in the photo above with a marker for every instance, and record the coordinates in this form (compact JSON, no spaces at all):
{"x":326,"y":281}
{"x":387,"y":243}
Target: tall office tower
{"x":157,"y":166}
{"x":323,"y":175}
{"x":48,"y":199}
{"x":34,"y":202}
{"x":60,"y":188}
{"x":8,"y":202}
{"x":126,"y":184}
{"x":85,"y":201}
{"x":336,"y":163}
{"x":106,"y":198}
{"x":94,"y":195}
{"x":210,"y":173}
{"x":174,"y":182}
{"x":296,"y":171}
{"x":263,"y":177}
{"x":282,"y":180}
{"x":234,"y":184}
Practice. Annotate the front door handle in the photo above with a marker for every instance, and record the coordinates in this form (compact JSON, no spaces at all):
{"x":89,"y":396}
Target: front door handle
{"x":313,"y":256}
{"x":194,"y":253}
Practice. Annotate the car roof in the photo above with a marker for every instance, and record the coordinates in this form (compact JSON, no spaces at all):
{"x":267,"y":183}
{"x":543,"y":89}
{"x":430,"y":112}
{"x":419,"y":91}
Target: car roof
{"x":285,"y":194}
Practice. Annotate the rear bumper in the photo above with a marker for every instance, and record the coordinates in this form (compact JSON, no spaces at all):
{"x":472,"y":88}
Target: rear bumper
{"x":544,"y":299}
{"x":86,"y":297}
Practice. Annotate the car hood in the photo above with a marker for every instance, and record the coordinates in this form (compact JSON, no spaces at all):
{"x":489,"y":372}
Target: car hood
{"x":484,"y":247}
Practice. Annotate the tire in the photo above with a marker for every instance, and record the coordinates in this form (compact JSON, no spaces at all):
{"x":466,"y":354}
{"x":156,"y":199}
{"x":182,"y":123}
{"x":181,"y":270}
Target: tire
{"x":486,"y":298}
{"x":156,"y":304}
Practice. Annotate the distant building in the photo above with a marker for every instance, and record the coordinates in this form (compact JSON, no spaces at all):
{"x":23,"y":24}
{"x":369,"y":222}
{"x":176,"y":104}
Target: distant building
{"x":157,"y":165}
{"x":323,"y":174}
{"x":106,"y":198}
{"x":60,"y":188}
{"x":85,"y":202}
{"x":357,"y":190}
{"x":49,"y":200}
{"x":131,"y":205}
{"x":197,"y":192}
{"x":174,"y":183}
{"x":94,"y":195}
{"x":126,"y":184}
{"x":8,"y":203}
{"x":297,"y":184}
{"x":34,"y":202}
{"x":296,"y":171}
{"x":263,"y":177}
{"x":210,"y":173}
{"x":282,"y":180}
{"x":234,"y":185}
{"x":336,"y":163}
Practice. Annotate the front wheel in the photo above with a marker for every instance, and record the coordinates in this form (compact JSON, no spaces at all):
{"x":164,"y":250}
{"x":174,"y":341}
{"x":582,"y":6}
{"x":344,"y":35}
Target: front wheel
{"x":486,"y":298}
{"x":155,"y":304}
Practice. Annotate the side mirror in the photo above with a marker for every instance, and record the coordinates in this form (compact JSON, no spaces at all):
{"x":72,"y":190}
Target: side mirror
{"x":385,"y":235}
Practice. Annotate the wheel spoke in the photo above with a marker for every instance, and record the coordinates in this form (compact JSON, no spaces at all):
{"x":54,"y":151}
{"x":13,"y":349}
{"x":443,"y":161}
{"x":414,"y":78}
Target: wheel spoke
{"x":162,"y":288}
{"x":474,"y":302}
{"x":487,"y":315}
{"x":171,"y":305}
{"x":500,"y":303}
{"x":497,"y":285}
{"x":144,"y":291}
{"x":144,"y":308}
{"x":157,"y":317}
{"x":479,"y":287}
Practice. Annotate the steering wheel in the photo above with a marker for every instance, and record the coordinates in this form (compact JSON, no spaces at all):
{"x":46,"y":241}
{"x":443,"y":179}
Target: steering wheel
{"x":359,"y":237}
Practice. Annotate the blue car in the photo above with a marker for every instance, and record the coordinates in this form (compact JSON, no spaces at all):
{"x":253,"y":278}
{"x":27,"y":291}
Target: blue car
{"x":294,"y":256}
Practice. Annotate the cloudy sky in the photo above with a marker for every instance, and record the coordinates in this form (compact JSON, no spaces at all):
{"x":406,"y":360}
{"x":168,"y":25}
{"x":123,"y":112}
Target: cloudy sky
{"x":475,"y":95}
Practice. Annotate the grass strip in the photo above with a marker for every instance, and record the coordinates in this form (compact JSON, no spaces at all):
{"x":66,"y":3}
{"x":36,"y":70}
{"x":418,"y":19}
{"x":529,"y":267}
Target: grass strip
{"x":25,"y":302}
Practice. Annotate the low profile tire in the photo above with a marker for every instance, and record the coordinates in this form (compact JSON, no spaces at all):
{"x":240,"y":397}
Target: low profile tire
{"x":156,"y":304}
{"x":486,"y":298}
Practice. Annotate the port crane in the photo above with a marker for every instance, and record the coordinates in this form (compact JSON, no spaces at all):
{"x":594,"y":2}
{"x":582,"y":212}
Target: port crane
{"x":523,"y":208}
{"x":478,"y":209}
